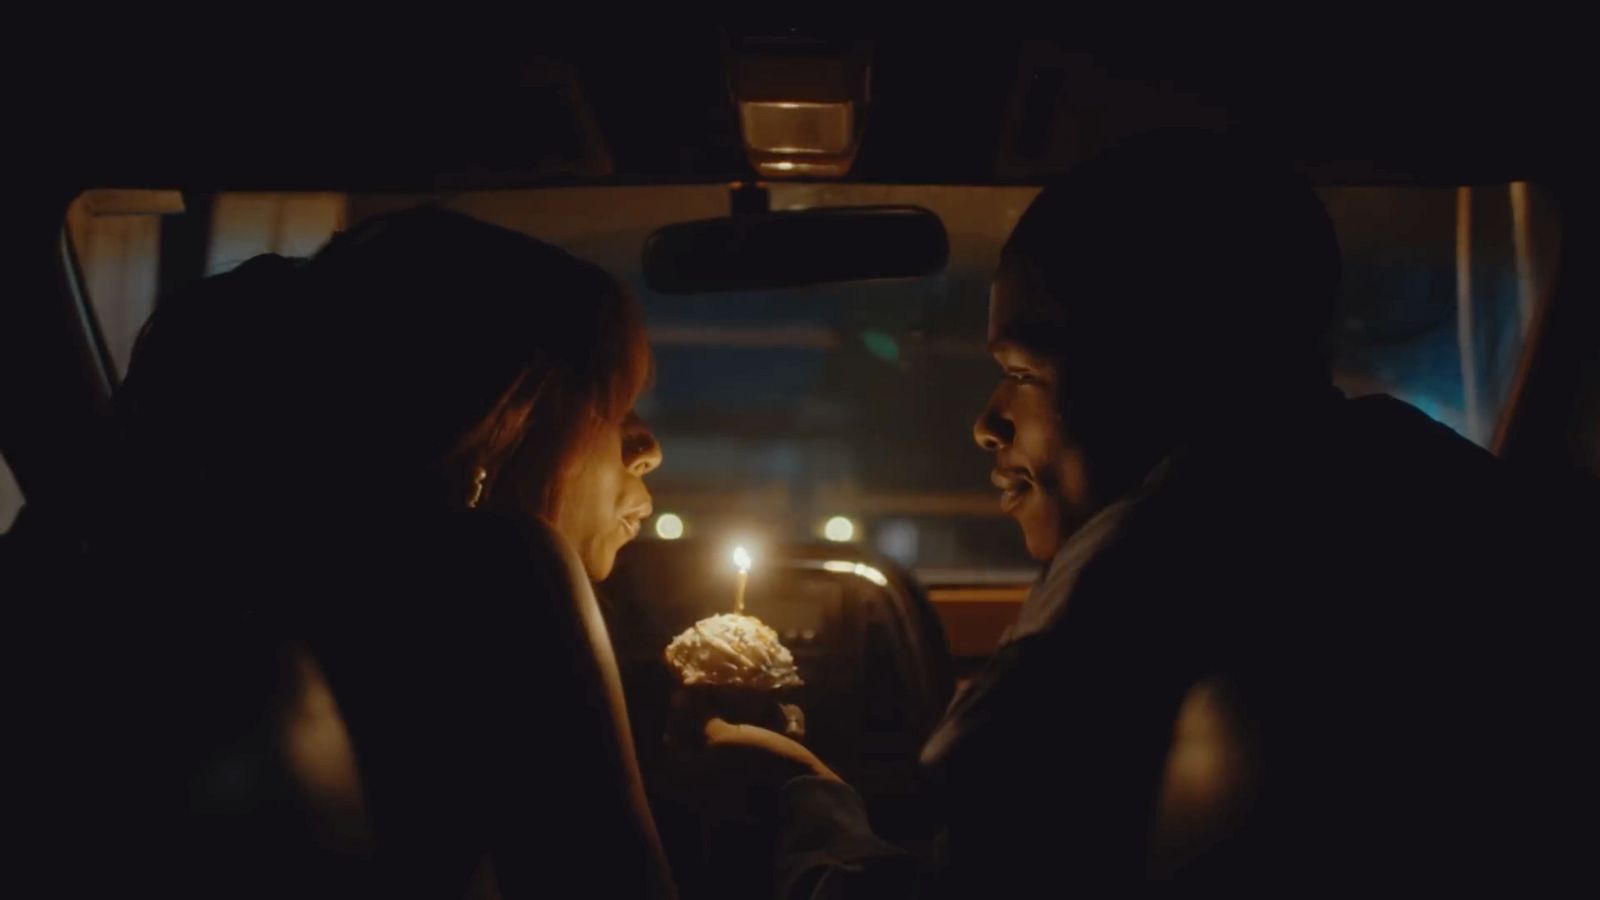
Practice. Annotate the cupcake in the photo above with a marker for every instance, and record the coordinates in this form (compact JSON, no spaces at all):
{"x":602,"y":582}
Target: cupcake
{"x":734,"y":667}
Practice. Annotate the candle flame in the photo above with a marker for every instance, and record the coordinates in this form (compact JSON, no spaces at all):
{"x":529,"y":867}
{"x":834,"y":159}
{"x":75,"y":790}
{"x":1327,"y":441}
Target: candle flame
{"x":741,"y":558}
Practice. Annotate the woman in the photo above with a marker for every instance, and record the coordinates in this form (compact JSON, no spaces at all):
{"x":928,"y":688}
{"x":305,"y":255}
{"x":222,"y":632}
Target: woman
{"x":398,"y":454}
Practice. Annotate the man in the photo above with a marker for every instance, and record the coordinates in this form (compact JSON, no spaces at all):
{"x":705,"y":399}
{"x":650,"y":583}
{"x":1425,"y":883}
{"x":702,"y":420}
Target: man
{"x":1214,"y":514}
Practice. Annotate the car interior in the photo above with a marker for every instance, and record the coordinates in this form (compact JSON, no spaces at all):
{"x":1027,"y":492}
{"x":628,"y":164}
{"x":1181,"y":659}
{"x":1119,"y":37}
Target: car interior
{"x":810,"y":221}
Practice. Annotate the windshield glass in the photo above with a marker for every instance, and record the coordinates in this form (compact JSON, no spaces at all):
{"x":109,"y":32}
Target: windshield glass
{"x":844,"y":411}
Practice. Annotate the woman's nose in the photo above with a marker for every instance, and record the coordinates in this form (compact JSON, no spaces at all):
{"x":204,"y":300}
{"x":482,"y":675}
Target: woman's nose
{"x":641,"y":453}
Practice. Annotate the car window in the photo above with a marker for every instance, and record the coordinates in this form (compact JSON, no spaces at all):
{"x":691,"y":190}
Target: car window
{"x":116,"y":240}
{"x":130,"y":245}
{"x":843,"y":411}
{"x":1441,"y":288}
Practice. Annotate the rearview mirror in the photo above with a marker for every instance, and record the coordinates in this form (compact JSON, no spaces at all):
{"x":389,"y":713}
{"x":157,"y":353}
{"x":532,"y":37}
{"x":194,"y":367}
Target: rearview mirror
{"x":789,"y":249}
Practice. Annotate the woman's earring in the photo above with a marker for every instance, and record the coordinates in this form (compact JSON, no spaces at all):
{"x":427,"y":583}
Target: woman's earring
{"x":479,"y":476}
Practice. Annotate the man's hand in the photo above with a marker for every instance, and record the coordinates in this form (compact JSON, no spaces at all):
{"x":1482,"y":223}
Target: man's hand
{"x":757,"y":750}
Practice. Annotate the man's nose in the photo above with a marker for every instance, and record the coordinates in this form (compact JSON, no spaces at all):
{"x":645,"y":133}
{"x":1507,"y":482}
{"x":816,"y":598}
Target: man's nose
{"x":992,"y":431}
{"x":641,"y":453}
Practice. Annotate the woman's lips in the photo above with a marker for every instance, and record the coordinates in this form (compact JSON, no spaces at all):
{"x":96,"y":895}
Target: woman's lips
{"x":634,"y":518}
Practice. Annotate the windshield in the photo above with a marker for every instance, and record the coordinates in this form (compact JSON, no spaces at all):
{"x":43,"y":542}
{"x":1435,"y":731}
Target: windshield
{"x":844,"y":411}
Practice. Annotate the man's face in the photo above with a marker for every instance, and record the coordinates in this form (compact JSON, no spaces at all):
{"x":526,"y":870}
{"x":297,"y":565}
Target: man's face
{"x":1040,"y":470}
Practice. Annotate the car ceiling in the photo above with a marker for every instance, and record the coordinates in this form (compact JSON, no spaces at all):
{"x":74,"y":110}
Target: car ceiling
{"x":943,"y":110}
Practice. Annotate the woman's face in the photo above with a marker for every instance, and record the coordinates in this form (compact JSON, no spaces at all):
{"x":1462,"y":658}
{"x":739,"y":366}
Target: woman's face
{"x":603,"y":498}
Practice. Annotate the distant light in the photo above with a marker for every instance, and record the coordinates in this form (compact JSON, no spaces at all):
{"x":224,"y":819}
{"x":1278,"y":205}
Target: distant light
{"x":898,"y":540}
{"x":860,"y":570}
{"x":741,"y":558}
{"x":839,"y":529}
{"x":669,"y":527}
{"x":882,"y":345}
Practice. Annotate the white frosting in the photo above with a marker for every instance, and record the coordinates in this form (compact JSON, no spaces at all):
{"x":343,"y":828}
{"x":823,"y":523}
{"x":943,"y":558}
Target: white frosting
{"x":732,"y":650}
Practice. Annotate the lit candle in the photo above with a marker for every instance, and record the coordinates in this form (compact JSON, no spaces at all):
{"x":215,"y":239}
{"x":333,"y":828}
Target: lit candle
{"x":741,"y":558}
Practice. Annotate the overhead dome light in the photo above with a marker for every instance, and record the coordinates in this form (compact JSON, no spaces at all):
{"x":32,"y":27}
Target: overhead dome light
{"x":801,"y":103}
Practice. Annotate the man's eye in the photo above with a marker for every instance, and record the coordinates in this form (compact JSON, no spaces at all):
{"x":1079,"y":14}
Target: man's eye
{"x":1021,"y":377}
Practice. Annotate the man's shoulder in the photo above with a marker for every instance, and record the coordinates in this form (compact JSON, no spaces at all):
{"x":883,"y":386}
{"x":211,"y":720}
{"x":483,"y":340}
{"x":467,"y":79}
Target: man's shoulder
{"x":1325,"y":479}
{"x":1401,"y":430}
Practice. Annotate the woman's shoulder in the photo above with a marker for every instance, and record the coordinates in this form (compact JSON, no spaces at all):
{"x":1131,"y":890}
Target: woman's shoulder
{"x":468,"y":555}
